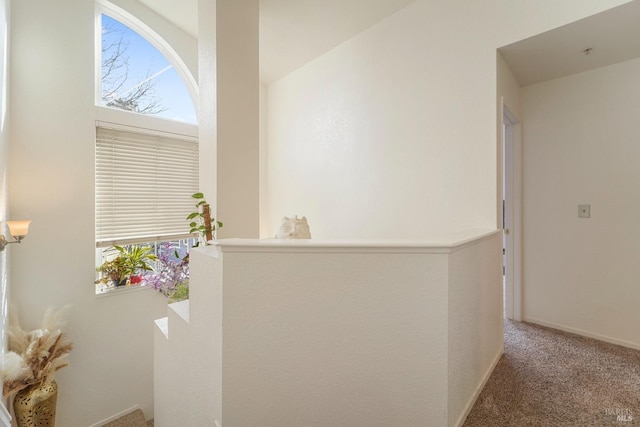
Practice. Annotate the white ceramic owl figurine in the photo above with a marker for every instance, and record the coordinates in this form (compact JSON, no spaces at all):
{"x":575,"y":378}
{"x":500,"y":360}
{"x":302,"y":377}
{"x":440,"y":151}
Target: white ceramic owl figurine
{"x":294,"y":228}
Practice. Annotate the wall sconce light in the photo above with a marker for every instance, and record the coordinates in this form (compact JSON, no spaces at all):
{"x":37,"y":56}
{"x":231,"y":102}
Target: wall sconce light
{"x":18,"y":230}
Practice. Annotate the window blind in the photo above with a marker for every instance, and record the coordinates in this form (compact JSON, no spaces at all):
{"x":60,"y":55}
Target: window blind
{"x":144,"y":184}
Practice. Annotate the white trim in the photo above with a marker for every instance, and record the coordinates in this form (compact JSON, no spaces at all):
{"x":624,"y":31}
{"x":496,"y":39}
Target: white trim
{"x":517,"y":222}
{"x":97,"y":66}
{"x":5,"y":417}
{"x":130,"y":121}
{"x":499,"y":161}
{"x":443,"y":245}
{"x":121,"y":290}
{"x":599,"y":337}
{"x":472,"y":401}
{"x":508,"y":215}
{"x":108,"y":8}
{"x":115,"y":417}
{"x":511,"y":168}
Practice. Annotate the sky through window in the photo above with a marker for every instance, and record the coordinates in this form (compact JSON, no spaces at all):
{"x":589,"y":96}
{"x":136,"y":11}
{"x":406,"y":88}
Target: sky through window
{"x":137,"y":77}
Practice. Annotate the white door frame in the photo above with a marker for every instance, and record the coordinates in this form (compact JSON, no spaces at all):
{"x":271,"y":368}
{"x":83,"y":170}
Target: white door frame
{"x":512,"y":187}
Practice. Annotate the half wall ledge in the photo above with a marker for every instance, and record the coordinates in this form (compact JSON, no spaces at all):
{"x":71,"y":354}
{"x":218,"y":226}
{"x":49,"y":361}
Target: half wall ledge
{"x":340,"y":333}
{"x":445,"y":243}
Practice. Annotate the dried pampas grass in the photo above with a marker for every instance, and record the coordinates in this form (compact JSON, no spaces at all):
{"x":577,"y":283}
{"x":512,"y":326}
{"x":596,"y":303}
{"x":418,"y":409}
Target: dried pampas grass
{"x":34,"y":356}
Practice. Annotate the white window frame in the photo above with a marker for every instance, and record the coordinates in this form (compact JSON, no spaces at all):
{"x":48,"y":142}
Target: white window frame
{"x":159,"y":188}
{"x":107,"y":8}
{"x":128,"y":120}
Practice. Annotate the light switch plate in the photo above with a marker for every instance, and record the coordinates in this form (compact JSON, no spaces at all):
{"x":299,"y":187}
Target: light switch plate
{"x":584,"y":211}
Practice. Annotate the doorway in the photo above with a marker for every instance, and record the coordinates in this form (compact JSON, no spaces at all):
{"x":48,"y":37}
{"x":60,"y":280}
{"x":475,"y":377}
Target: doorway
{"x":511,"y":215}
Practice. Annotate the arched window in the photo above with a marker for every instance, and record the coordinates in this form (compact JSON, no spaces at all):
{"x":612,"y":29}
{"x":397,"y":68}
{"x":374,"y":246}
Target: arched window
{"x":136,"y":77}
{"x":146,"y":165}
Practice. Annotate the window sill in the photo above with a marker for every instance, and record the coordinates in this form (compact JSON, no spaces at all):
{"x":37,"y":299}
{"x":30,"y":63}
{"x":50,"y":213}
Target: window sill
{"x":104,"y":291}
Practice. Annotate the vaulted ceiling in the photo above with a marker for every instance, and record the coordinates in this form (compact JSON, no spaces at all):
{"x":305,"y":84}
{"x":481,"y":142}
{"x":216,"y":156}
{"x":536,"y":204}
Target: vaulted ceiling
{"x":292,"y":32}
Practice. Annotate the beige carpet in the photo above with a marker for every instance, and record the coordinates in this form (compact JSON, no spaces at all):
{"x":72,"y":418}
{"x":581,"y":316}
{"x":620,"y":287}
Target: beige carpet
{"x":552,"y":378}
{"x":132,"y":419}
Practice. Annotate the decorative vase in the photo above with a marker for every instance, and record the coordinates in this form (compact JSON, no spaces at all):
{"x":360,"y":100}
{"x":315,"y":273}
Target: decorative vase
{"x":36,"y":405}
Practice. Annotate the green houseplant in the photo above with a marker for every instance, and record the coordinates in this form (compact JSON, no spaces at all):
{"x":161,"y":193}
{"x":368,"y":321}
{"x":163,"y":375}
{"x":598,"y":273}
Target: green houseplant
{"x":125,"y":267}
{"x":113,"y":271}
{"x":201,"y":221}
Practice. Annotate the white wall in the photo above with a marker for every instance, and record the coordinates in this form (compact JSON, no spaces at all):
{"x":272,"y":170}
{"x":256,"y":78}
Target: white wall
{"x":508,"y":87}
{"x":400,"y":134}
{"x":52,"y":182}
{"x":238,"y":109}
{"x":580,"y":146}
{"x":475,"y":322}
{"x":229,"y":113}
{"x":4,"y":142}
{"x":366,"y":333}
{"x":396,"y":128}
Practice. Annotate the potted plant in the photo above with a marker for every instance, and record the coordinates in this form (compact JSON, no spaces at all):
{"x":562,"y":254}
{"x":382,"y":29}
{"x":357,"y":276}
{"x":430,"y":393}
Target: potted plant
{"x":136,"y":260}
{"x":113,"y":271}
{"x":127,"y":266}
{"x":201,"y":221}
{"x":171,"y":276}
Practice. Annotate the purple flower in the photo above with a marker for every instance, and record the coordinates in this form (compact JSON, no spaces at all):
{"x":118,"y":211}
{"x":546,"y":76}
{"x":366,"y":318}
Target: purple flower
{"x":170,"y":271}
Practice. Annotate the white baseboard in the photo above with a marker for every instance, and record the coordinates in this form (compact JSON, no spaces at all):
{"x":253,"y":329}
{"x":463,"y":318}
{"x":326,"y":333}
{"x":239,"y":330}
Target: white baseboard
{"x":115,"y":417}
{"x":462,"y":418}
{"x":611,"y":340}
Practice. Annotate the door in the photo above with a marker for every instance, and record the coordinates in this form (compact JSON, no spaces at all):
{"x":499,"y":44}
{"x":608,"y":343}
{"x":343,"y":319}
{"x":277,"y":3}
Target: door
{"x":512,"y":224}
